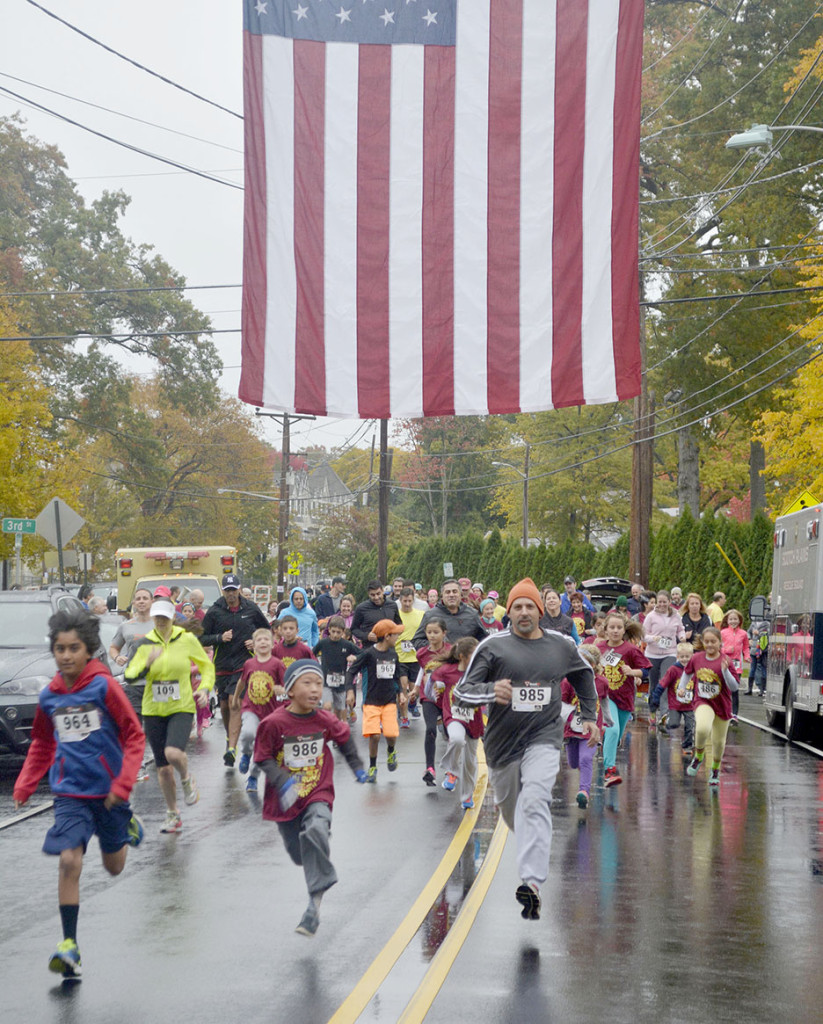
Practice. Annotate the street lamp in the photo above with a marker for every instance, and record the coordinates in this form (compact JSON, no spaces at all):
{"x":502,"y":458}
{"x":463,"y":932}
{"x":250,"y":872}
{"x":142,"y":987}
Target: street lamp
{"x":251,"y":494}
{"x":525,"y":476}
{"x":762,"y":135}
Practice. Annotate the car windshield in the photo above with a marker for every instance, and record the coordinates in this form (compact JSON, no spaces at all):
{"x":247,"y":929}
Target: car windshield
{"x":24,"y":623}
{"x":210,"y":588}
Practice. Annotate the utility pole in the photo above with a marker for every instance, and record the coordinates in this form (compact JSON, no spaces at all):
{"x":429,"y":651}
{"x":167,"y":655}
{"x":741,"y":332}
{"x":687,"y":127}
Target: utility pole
{"x":526,"y":498}
{"x":642,"y":473}
{"x":384,"y":480}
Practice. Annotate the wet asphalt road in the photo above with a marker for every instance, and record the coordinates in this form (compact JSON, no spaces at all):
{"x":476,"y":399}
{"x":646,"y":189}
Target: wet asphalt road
{"x":665,"y":902}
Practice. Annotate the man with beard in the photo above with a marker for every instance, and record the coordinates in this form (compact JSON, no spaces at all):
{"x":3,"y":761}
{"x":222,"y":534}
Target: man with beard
{"x":368,"y":613}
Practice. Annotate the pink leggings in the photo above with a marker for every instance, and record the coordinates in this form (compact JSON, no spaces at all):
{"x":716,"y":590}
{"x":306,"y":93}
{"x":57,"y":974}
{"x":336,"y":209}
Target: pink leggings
{"x":581,"y":756}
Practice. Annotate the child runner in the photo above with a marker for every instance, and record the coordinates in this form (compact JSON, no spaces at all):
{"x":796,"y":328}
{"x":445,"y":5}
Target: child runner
{"x":382,"y":679}
{"x":623,"y":666}
{"x":86,"y":734}
{"x":411,"y":618}
{"x":487,"y":619}
{"x":714,"y":684}
{"x":464,"y":726}
{"x":258,"y":693}
{"x":289,"y":647}
{"x":334,"y":652}
{"x":430,"y":656}
{"x":677,"y":706}
{"x":735,"y":643}
{"x":578,"y":752}
{"x":293,"y":750}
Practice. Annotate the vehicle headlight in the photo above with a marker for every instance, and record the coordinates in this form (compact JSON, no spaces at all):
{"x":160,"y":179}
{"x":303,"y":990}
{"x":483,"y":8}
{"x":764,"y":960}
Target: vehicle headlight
{"x":28,"y":686}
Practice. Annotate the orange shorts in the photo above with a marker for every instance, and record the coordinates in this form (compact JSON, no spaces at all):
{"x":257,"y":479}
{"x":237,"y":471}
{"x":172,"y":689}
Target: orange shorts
{"x":379,"y":718}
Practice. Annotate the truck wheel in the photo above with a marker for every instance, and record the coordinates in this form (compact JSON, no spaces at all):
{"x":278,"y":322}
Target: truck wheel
{"x":775,"y":719}
{"x":794,"y":718}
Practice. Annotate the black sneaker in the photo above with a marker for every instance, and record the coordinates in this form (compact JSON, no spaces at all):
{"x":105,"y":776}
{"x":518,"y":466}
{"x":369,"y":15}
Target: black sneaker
{"x":528,"y":896}
{"x":229,"y":757}
{"x":429,"y":777}
{"x":309,"y":922}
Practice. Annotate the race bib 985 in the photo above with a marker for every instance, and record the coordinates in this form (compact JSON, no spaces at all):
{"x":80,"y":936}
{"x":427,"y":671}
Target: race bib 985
{"x":530,"y":698}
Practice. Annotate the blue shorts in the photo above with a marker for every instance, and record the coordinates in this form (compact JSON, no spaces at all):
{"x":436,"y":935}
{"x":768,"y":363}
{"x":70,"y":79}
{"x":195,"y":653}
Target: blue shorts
{"x":77,"y":819}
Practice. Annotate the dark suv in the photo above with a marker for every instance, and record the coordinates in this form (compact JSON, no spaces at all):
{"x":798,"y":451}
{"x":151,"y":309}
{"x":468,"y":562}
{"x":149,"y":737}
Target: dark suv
{"x":26,"y":662}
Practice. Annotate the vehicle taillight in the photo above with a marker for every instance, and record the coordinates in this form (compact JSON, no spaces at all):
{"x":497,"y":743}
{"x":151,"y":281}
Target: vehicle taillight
{"x":125,"y":563}
{"x":227,"y":560}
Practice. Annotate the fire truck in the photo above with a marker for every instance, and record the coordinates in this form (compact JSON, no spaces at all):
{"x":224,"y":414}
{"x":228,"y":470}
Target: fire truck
{"x":794,"y":680}
{"x":188,"y":568}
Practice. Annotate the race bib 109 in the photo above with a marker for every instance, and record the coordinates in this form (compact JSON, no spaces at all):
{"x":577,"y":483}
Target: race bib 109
{"x":165,"y":690}
{"x":530,"y":698}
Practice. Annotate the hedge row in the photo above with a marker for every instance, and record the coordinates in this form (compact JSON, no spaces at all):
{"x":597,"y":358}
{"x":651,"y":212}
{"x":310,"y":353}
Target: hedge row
{"x":683,"y":554}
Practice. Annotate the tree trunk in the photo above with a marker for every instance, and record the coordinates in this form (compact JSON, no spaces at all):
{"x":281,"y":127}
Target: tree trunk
{"x":757,"y":482}
{"x":688,"y":475}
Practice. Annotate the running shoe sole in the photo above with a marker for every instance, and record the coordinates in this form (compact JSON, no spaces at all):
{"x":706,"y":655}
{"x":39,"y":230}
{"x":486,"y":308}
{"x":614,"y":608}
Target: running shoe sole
{"x":62,"y":962}
{"x":529,"y":901}
{"x":309,"y":923}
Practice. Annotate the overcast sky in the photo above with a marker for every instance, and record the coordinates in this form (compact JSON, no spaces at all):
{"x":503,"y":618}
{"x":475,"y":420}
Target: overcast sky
{"x":196,"y":225}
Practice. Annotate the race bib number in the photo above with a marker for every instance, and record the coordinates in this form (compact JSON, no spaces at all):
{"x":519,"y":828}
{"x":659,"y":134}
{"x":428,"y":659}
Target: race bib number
{"x":708,"y":691}
{"x":686,"y":698}
{"x":460,"y":713}
{"x":665,"y":642}
{"x":335,"y":680}
{"x":302,"y":751}
{"x":737,"y":665}
{"x":576,"y":722}
{"x":611,"y":658}
{"x":406,"y":646}
{"x":76,"y":724}
{"x":164,"y":691}
{"x":530,"y":698}
{"x":385,"y":670}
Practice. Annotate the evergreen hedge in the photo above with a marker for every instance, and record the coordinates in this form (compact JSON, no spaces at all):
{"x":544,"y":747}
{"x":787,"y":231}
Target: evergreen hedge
{"x":682,"y":554}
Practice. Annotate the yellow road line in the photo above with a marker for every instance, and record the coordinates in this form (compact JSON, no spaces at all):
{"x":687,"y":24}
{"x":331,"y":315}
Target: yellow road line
{"x":378,"y":970}
{"x":420,"y":1003}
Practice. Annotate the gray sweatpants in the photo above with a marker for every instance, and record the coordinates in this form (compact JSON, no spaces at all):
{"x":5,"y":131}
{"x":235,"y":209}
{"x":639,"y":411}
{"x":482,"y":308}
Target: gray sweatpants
{"x":306,"y":839}
{"x":248,"y":730}
{"x":461,"y":759}
{"x":523,"y":792}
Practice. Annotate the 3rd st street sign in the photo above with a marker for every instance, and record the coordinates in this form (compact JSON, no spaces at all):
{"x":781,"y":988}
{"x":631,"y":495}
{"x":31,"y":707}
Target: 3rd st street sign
{"x":11,"y":525}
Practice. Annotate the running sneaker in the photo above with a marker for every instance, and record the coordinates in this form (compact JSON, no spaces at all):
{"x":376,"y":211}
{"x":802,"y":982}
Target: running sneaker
{"x":694,"y":766}
{"x":414,"y":710}
{"x":142,"y":774}
{"x":404,"y":723}
{"x":429,"y":776}
{"x":583,"y":799}
{"x":688,"y":752}
{"x":467,"y":804}
{"x":371,"y":775}
{"x":135,"y":831}
{"x":251,"y":784}
{"x":714,"y":777}
{"x":652,"y":719}
{"x":173,"y":822}
{"x":308,"y":922}
{"x":611,"y":777}
{"x":66,"y":960}
{"x":230,"y":757}
{"x":391,"y":761}
{"x":352,"y":715}
{"x":528,"y":896}
{"x":191,"y":794}
{"x":243,"y":765}
{"x":450,"y":781}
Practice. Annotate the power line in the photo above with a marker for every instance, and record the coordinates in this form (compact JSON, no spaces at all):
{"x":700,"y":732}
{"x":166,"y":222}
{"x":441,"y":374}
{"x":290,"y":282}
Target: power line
{"x":57,"y":293}
{"x":119,"y":142}
{"x":130,"y":60}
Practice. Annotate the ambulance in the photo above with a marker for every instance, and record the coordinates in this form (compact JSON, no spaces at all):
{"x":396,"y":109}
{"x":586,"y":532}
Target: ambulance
{"x":794,"y":673}
{"x":188,"y":568}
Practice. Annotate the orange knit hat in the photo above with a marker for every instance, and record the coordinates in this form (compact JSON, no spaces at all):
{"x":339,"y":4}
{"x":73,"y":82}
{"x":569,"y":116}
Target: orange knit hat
{"x":525,"y":588}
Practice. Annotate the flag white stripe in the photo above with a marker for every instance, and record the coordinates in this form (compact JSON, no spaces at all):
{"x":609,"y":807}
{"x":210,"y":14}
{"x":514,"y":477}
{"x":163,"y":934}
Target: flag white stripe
{"x":340,"y":228}
{"x":470,"y":208}
{"x":536,"y":204}
{"x":599,"y":384}
{"x":281,"y":289}
{"x":406,"y":232}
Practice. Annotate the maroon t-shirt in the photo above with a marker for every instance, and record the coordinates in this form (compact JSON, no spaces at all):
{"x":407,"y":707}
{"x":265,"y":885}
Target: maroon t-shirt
{"x":470,"y":718}
{"x":288,"y":653}
{"x":260,"y":678}
{"x":621,"y":687}
{"x":568,"y":694}
{"x":301,"y":744}
{"x":709,"y":685}
{"x":670,"y":682}
{"x":425,"y":655}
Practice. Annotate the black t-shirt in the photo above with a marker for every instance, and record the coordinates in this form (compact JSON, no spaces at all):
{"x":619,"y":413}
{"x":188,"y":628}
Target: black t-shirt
{"x":333,"y":654}
{"x":381,"y":672}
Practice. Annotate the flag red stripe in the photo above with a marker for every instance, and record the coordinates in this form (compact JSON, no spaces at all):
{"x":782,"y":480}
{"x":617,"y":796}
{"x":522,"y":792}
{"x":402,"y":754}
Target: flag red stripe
{"x":625,"y":201}
{"x":503,"y":261}
{"x":567,"y":241}
{"x":253,"y":322}
{"x":309,"y":175}
{"x":373,"y":165}
{"x":438,"y":231}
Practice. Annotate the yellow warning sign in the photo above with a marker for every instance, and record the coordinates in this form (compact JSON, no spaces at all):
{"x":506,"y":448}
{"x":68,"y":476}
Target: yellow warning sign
{"x":804,"y":500}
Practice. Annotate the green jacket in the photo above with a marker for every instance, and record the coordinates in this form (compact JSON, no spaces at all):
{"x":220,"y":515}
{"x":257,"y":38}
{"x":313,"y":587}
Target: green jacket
{"x":168,"y":679}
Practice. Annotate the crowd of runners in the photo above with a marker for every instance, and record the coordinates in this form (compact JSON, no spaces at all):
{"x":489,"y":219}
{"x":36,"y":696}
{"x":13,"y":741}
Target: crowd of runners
{"x":530,"y":675}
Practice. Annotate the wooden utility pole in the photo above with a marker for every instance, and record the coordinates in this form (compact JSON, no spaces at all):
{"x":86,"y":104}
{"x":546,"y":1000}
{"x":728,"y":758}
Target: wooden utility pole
{"x":642,"y":473}
{"x":283,"y":507}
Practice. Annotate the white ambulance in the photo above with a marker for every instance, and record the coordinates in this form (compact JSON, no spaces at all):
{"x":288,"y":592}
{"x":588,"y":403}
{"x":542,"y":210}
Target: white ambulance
{"x":188,"y":568}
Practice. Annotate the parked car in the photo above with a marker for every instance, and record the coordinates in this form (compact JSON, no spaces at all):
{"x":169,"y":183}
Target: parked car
{"x":26,"y":661}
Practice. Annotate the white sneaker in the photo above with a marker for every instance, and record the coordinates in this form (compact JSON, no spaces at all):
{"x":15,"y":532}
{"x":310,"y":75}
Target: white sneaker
{"x":191,"y":794}
{"x":173,"y":822}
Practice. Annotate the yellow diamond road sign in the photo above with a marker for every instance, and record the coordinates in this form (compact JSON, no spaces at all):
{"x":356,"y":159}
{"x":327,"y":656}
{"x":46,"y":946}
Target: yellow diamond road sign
{"x":804,"y":500}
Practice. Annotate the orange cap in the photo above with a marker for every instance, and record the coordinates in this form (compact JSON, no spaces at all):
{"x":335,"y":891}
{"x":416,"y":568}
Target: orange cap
{"x":385,"y":627}
{"x":525,"y":588}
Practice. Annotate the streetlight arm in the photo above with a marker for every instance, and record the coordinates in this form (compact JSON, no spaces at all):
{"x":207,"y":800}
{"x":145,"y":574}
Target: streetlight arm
{"x":250,"y":494}
{"x":761,"y":134}
{"x":508,"y":465}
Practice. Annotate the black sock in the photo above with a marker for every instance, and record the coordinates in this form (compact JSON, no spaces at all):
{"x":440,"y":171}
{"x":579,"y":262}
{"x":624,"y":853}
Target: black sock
{"x":68,"y":916}
{"x":390,"y":747}
{"x":373,"y":761}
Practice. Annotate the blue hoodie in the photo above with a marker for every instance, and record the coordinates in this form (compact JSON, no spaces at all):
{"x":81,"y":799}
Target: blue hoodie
{"x":307,"y":628}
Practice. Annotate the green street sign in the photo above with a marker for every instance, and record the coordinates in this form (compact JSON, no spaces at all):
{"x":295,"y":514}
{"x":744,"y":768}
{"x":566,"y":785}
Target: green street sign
{"x":19,"y":525}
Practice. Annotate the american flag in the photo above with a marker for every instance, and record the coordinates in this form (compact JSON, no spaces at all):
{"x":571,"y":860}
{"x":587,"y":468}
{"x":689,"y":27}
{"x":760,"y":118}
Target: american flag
{"x":441,"y":207}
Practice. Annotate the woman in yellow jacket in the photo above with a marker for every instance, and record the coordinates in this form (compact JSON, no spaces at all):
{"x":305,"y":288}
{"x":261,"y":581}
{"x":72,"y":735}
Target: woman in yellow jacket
{"x":164,"y":660}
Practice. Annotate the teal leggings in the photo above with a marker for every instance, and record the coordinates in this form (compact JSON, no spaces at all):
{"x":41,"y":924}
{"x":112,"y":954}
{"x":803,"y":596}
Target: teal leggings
{"x":614,"y":735}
